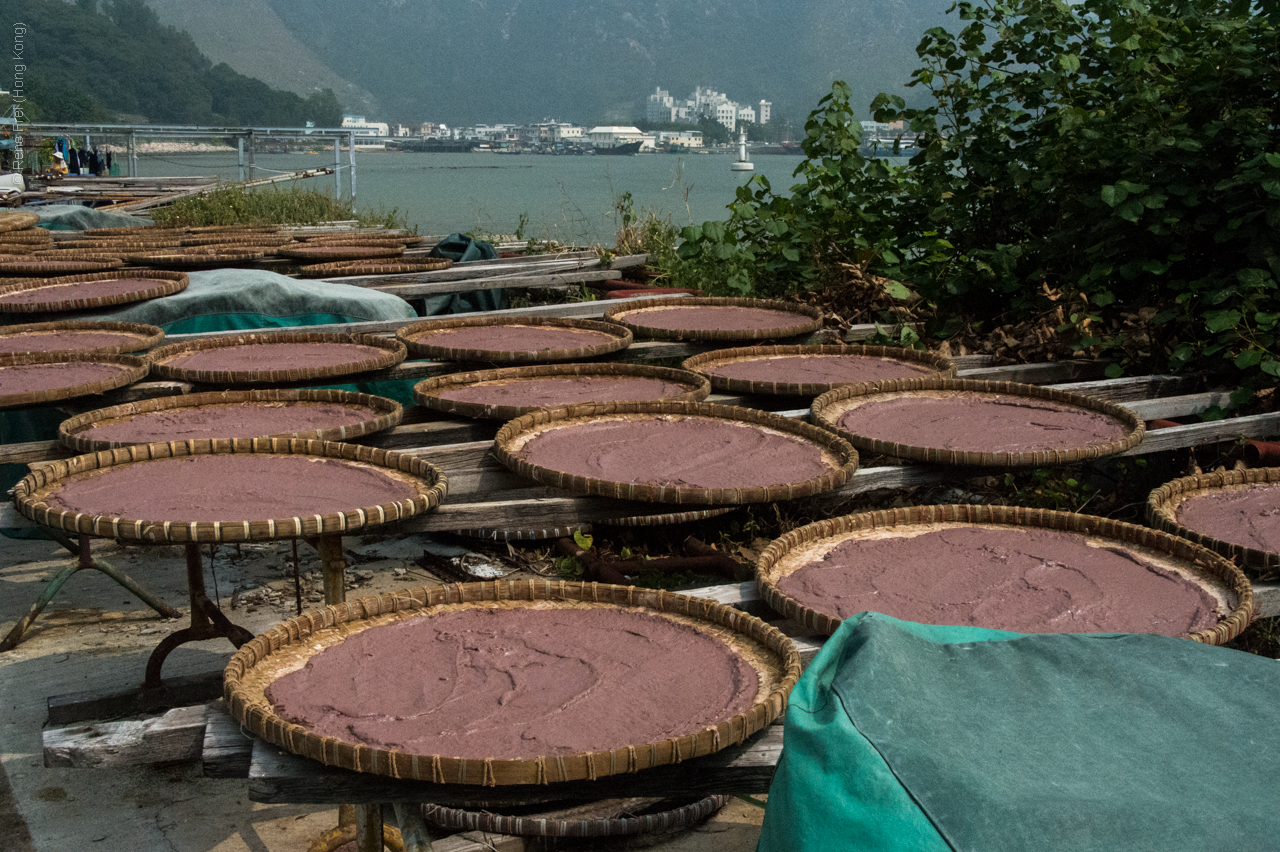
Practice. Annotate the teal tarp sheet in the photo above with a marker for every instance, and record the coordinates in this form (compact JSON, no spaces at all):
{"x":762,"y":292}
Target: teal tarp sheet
{"x":914,"y":737}
{"x":73,"y":217}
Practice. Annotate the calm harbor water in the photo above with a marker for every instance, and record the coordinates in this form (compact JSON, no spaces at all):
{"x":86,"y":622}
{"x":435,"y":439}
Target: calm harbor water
{"x":566,"y":198}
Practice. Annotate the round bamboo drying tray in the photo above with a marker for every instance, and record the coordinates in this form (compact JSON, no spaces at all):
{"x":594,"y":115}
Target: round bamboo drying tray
{"x":1192,"y":562}
{"x":322,"y":253}
{"x":428,"y":392}
{"x":76,"y":254}
{"x":706,"y":361}
{"x":131,"y":230}
{"x":245,"y":239}
{"x":562,"y":823}
{"x":396,"y":266}
{"x":23,"y":249}
{"x":662,"y":519}
{"x":427,"y":480}
{"x":631,"y":315}
{"x":840,"y":458}
{"x":407,"y":240}
{"x":129,"y":370}
{"x":828,"y":409}
{"x":15,"y":221}
{"x":393,"y":352}
{"x":77,"y":432}
{"x":414,"y":336}
{"x":53,"y":268}
{"x":187,"y":259}
{"x":233,"y":229}
{"x":120,"y":243}
{"x":288,"y":646}
{"x":532,"y":534}
{"x":166,"y":284}
{"x":1162,"y":512}
{"x":142,"y":337}
{"x":27,"y":235}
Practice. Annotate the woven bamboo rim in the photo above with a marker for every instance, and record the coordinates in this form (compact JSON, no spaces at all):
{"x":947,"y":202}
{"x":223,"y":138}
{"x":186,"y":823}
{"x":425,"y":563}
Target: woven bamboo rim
{"x":260,"y":661}
{"x":246,"y":239}
{"x":393,"y":353}
{"x":807,"y":319}
{"x":411,"y":334}
{"x":836,"y":451}
{"x":131,"y":370}
{"x":29,"y":494}
{"x":119,"y":243}
{"x":167,"y":283}
{"x":324,"y":253}
{"x":828,"y":408}
{"x":532,"y":534}
{"x":348,"y":268}
{"x":662,"y":519}
{"x":193,"y":259}
{"x":1162,"y":510}
{"x":427,"y":392}
{"x":44,"y":267}
{"x":233,"y":229}
{"x":27,"y":235}
{"x":21,"y":248}
{"x":15,"y":221}
{"x":704,"y":362}
{"x":407,"y":240}
{"x":553,"y":824}
{"x":145,"y":336}
{"x":104,"y":253}
{"x":132,"y":229}
{"x":76,"y":433}
{"x":1207,"y":567}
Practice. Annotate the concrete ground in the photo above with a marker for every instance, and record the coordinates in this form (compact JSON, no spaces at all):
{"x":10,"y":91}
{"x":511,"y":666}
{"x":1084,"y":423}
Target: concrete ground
{"x":96,"y":636}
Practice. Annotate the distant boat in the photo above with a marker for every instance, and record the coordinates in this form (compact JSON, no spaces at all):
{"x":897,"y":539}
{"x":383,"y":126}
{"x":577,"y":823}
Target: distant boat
{"x":621,"y":150}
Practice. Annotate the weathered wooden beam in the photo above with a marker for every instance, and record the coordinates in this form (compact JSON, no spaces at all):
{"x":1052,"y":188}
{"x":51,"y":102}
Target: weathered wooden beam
{"x":177,"y":735}
{"x":474,"y":275}
{"x":226,"y":750}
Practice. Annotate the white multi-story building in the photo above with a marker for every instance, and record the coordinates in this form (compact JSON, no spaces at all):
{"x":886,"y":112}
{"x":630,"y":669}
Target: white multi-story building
{"x":566,"y":133}
{"x":610,"y":136}
{"x":764,"y":111}
{"x":678,"y":138}
{"x":373,"y":129}
{"x":747,"y":114}
{"x":661,"y":107}
{"x":704,"y":103}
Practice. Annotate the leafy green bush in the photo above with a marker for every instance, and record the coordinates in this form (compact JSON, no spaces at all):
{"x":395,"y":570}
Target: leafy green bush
{"x":1110,"y":167}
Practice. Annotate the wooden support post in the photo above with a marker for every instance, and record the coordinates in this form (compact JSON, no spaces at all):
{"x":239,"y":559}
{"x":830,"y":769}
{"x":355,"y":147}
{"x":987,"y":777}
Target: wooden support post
{"x":253,"y":171}
{"x":337,"y":165}
{"x":351,"y":158}
{"x":133,"y":154}
{"x":240,"y":158}
{"x":334,"y":567}
{"x":368,"y":828}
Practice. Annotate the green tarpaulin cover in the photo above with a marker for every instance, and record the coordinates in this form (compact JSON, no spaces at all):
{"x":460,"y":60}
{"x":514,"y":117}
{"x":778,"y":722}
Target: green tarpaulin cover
{"x":926,"y":738}
{"x":73,"y":217}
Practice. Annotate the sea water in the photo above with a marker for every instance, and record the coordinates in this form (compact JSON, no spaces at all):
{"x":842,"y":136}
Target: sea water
{"x":568,"y":198}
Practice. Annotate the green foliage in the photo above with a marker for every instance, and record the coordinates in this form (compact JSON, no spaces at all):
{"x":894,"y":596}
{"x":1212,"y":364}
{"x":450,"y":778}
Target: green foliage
{"x":86,"y":64}
{"x":270,"y":206}
{"x":1109,"y":164}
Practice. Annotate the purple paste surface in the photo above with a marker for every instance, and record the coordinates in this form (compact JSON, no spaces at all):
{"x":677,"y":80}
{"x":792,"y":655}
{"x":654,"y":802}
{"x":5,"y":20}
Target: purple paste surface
{"x":1249,"y":517}
{"x":543,"y":393}
{"x":65,"y":340}
{"x":30,"y":378}
{"x":819,"y":369}
{"x":103,"y":289}
{"x":228,"y":488}
{"x":1029,"y":581}
{"x":235,"y":420}
{"x":514,"y":338}
{"x":974,"y":424}
{"x":715,"y":318}
{"x":692,"y":452}
{"x":518,"y":683}
{"x":252,"y":357}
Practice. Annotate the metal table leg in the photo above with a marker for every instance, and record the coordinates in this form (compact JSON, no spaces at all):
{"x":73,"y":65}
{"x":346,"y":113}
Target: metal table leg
{"x":207,"y":621}
{"x":84,"y":561}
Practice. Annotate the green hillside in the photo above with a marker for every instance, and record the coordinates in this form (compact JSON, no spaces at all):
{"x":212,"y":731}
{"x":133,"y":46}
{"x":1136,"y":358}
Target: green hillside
{"x":98,"y":62}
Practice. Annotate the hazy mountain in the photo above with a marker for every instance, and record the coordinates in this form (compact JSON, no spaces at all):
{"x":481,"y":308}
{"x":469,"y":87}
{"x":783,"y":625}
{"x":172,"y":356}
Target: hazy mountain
{"x":251,"y":38}
{"x":586,"y":60}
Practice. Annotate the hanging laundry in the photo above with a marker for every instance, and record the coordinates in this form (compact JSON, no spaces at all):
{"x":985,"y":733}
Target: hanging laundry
{"x":73,"y":161}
